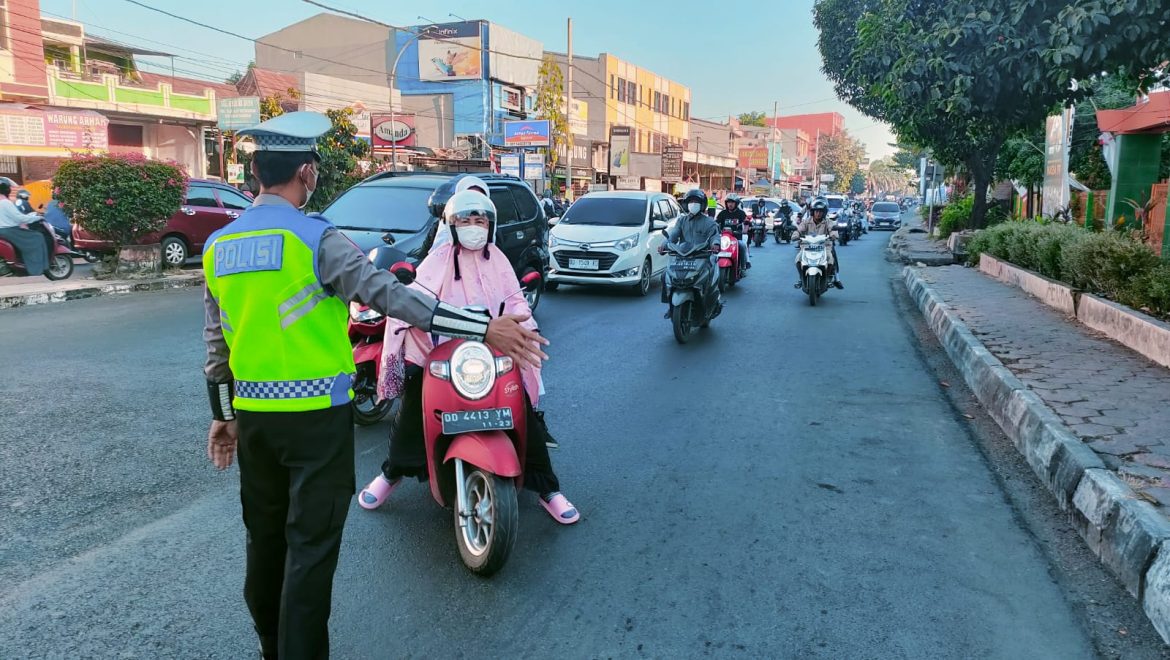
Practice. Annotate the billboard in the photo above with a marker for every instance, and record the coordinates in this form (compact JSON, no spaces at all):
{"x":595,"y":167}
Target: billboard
{"x":1056,"y":148}
{"x":527,"y":133}
{"x":235,"y":113}
{"x":753,"y":157}
{"x":579,"y":119}
{"x":619,"y":151}
{"x":29,"y":131}
{"x":672,"y":162}
{"x":387,"y":133}
{"x":450,"y":51}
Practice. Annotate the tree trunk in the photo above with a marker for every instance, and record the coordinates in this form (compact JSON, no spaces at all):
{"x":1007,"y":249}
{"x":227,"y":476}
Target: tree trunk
{"x":981,"y":167}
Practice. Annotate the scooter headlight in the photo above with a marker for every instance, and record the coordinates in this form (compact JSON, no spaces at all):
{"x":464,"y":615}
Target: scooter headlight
{"x":473,"y":370}
{"x":724,"y":243}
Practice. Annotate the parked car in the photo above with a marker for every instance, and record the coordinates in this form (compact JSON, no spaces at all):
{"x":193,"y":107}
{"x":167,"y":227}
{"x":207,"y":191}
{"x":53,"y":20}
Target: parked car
{"x":209,"y":206}
{"x":611,"y":239}
{"x":390,"y":208}
{"x":886,"y":215}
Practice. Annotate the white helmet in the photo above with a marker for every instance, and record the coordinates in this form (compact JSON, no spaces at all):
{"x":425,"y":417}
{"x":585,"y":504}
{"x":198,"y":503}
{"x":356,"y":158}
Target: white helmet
{"x":468,"y":182}
{"x":469,"y":202}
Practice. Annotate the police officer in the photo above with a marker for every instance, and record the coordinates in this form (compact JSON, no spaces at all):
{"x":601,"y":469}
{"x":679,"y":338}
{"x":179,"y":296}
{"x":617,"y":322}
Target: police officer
{"x":279,"y":371}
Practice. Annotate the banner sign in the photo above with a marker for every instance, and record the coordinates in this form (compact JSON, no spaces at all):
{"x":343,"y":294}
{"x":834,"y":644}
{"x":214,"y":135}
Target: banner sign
{"x":386,"y":133}
{"x":753,"y":157}
{"x":450,"y":51}
{"x":619,"y":151}
{"x":510,"y":165}
{"x":672,"y":162}
{"x":527,"y":133}
{"x":1056,"y":148}
{"x":30,"y":131}
{"x":235,"y":172}
{"x":235,"y":113}
{"x":626,"y":182}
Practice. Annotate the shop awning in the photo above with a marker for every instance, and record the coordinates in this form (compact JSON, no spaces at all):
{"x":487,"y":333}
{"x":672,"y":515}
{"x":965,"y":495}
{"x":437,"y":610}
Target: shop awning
{"x":27,"y":130}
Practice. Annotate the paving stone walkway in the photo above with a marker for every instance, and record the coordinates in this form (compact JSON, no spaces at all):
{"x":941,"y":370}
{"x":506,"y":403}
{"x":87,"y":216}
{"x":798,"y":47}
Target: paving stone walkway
{"x":1112,"y":398}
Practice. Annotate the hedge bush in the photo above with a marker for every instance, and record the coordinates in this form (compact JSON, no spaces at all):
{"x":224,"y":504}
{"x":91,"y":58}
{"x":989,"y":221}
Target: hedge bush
{"x":956,"y":216}
{"x":119,"y":198}
{"x":1116,"y":265}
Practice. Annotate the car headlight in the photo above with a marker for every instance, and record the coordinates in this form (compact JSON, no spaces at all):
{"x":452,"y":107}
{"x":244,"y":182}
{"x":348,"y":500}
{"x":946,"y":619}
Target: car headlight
{"x":552,"y":241}
{"x":724,"y":243}
{"x":473,"y":370}
{"x":626,"y":244}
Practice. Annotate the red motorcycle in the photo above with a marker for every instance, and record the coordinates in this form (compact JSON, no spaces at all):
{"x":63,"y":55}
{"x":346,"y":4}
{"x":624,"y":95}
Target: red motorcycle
{"x":366,"y":330}
{"x":729,"y":272}
{"x":60,"y":256}
{"x":475,"y":433}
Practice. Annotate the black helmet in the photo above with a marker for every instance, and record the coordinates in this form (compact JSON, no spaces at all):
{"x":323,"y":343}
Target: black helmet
{"x":819,"y":204}
{"x":732,"y":198}
{"x":696,"y":195}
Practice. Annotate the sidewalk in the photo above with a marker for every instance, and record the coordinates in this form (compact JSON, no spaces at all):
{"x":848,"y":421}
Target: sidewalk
{"x":1090,"y":416}
{"x":19,"y":292}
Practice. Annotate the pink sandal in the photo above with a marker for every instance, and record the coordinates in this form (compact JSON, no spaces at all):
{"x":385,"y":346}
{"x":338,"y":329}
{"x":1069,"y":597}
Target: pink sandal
{"x":560,"y":508}
{"x":375,"y":494}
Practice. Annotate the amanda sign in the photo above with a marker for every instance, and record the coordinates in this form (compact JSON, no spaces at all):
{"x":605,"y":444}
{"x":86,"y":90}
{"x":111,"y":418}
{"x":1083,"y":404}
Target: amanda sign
{"x":387,"y":133}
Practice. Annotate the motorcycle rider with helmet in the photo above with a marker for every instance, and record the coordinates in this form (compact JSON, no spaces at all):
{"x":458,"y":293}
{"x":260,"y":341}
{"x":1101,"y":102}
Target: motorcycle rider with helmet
{"x":818,"y":224}
{"x":733,"y":214}
{"x":695,"y":227}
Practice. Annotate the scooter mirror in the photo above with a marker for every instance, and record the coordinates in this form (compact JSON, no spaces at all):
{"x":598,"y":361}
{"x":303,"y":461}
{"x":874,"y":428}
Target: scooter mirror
{"x":531,"y":281}
{"x":403,"y":271}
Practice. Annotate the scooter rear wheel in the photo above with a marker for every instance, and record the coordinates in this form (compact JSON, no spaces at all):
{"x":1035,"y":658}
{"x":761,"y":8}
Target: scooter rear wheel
{"x":488,"y":535}
{"x":60,"y":267}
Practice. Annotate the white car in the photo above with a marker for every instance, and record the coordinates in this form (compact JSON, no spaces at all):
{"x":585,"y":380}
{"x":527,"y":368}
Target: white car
{"x":611,"y":238}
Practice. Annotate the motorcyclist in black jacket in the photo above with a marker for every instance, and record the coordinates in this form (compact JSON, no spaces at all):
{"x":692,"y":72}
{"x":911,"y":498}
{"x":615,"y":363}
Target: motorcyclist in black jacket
{"x":733,"y":214}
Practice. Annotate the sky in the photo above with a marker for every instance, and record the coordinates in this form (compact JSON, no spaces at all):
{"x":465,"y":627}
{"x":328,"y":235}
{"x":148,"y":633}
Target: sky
{"x":735,"y":56}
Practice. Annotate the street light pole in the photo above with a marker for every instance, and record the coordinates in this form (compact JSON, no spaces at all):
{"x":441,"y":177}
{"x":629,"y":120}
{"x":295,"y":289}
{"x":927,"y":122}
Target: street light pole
{"x":393,"y":113}
{"x":569,"y":116}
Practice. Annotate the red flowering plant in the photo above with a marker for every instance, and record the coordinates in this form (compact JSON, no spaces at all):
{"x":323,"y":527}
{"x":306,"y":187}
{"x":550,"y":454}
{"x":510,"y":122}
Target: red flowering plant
{"x":119,"y":198}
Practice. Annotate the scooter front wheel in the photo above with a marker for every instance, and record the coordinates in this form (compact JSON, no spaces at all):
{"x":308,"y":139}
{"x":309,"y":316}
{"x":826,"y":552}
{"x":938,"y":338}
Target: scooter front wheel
{"x":60,"y":267}
{"x":680,"y":318}
{"x":488,"y":531}
{"x":814,"y":288}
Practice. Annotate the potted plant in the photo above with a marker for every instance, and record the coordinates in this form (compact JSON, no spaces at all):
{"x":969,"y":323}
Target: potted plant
{"x":121,"y":198}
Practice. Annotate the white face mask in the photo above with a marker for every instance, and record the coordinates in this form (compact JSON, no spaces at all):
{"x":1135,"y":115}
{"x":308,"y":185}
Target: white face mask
{"x":308,"y":196}
{"x":694,"y":208}
{"x":473,"y":237}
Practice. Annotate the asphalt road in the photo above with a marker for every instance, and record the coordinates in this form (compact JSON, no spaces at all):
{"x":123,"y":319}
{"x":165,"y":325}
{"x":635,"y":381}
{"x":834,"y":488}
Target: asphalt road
{"x":792,"y":483}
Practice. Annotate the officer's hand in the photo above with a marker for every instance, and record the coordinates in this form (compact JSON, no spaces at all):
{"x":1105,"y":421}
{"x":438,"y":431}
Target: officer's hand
{"x":505,"y":334}
{"x":221,"y":443}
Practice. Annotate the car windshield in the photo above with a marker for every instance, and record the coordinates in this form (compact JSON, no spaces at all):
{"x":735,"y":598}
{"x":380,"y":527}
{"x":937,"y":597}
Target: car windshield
{"x":886,"y":207}
{"x":835,"y":202}
{"x":606,"y":212}
{"x":398,"y":209}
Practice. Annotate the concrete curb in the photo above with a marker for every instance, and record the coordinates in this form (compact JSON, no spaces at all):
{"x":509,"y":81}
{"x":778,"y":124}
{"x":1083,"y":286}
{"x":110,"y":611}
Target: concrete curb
{"x":906,"y":246}
{"x":1140,"y":332}
{"x":1057,"y":295}
{"x":99,"y":289}
{"x":1125,"y":532}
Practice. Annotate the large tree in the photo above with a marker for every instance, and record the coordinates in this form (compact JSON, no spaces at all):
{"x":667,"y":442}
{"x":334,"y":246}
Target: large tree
{"x":550,"y":105}
{"x":961,"y":77}
{"x":840,"y":155}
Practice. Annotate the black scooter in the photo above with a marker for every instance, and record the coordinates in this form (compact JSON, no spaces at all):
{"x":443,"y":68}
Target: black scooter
{"x":783,"y":227}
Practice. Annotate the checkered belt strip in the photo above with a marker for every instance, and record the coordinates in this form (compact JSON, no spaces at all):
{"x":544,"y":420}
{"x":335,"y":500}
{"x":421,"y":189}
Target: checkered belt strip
{"x":284,"y":389}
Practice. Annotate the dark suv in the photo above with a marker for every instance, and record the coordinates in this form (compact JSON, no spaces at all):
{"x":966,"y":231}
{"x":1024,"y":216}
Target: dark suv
{"x":391,"y":209}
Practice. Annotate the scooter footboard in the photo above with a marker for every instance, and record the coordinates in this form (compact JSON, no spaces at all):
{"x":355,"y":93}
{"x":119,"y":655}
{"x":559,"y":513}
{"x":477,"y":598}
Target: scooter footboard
{"x":491,"y":450}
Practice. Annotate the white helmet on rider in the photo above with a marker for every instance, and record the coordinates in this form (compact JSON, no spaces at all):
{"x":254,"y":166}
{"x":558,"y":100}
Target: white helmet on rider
{"x":471,"y":183}
{"x":471,"y":218}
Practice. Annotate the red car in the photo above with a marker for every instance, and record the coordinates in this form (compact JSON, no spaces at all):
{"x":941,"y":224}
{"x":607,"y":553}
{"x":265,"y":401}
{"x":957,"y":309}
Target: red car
{"x":209,"y":206}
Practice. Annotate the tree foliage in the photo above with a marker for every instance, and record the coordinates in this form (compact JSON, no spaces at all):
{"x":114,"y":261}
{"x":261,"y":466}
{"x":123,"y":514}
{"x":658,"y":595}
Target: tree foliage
{"x":840,"y":155}
{"x":888,"y":175}
{"x":550,"y":105}
{"x":340,"y":153}
{"x":752,"y":118}
{"x":236,"y":77}
{"x":119,"y":197}
{"x":962,"y":77}
{"x":858,"y":183}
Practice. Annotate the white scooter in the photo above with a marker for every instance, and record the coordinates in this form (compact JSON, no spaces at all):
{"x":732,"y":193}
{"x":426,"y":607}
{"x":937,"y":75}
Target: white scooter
{"x":816,"y":272}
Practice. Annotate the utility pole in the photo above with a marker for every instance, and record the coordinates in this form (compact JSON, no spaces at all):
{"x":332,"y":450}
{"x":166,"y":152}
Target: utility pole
{"x":569,"y":116}
{"x":817,"y":166}
{"x":772,"y":143}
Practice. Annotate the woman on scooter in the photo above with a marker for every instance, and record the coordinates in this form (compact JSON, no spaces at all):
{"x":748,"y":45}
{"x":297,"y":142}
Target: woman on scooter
{"x":466,"y":268}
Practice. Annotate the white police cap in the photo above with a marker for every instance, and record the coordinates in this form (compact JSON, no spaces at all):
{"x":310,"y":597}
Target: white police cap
{"x":290,"y":132}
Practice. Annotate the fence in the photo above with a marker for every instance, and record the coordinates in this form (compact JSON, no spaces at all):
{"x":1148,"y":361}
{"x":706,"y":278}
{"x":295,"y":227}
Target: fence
{"x":1156,"y":218}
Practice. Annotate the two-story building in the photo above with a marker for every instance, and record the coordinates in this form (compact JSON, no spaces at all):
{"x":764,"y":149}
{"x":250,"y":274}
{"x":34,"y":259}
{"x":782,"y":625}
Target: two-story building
{"x":72,"y":92}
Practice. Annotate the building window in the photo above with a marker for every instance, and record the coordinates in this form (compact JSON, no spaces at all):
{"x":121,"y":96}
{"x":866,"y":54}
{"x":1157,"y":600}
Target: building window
{"x":686,"y":111}
{"x":632,"y":92}
{"x":657,"y":101}
{"x":621,"y":91}
{"x":612,"y":87}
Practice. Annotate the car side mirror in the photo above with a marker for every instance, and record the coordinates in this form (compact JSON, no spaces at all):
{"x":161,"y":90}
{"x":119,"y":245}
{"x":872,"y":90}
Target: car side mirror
{"x":552,"y":222}
{"x":531,"y":281}
{"x":404,"y":271}
{"x":658,"y":225}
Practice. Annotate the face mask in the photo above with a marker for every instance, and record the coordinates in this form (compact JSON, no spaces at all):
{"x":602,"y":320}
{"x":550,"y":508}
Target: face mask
{"x":473,"y":238}
{"x":308,"y":196}
{"x":694,"y":207}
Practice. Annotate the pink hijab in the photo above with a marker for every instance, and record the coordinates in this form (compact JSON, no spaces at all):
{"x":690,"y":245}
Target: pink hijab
{"x":484,"y":281}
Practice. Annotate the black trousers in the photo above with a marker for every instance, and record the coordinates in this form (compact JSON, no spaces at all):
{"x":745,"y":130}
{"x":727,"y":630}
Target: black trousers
{"x":408,"y":454}
{"x":296,"y":481}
